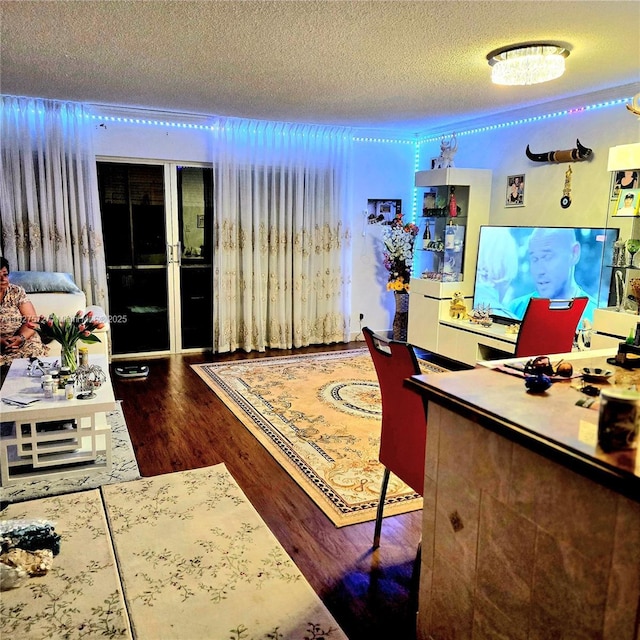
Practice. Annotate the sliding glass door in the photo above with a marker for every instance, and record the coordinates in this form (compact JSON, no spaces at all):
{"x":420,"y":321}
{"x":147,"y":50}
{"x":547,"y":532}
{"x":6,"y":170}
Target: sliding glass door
{"x":195,"y":213}
{"x":157,"y":222}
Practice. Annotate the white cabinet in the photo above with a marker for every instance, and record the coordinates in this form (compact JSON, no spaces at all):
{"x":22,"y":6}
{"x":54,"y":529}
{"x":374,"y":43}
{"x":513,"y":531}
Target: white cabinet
{"x":451,"y":268}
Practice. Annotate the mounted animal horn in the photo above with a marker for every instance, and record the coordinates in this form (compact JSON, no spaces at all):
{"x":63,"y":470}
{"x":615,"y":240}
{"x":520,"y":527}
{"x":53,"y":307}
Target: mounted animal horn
{"x":567,"y":155}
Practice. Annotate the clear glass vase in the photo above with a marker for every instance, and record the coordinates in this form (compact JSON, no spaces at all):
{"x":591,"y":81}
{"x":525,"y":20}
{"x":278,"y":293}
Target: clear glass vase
{"x":69,"y":357}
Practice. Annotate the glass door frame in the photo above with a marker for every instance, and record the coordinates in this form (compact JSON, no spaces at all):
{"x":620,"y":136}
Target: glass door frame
{"x":173,"y":250}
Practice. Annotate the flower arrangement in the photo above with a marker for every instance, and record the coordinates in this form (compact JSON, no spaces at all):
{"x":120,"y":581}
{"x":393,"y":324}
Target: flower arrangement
{"x":398,"y":240}
{"x":68,"y":331}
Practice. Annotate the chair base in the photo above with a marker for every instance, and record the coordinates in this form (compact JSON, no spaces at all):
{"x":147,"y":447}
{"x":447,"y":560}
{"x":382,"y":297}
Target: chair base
{"x":383,"y":494}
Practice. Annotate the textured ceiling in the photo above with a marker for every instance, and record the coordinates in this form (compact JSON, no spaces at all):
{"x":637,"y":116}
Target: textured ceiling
{"x":411,"y":65}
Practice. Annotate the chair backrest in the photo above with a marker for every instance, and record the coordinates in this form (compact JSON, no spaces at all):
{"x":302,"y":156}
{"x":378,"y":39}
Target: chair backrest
{"x":549,"y":326}
{"x":404,"y":415}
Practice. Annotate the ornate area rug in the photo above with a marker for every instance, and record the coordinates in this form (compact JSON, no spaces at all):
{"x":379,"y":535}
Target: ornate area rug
{"x":197,"y":562}
{"x":319,"y":417}
{"x":123,"y":467}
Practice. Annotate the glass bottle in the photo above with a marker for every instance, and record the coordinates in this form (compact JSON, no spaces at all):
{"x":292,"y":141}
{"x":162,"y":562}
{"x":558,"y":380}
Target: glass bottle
{"x":426,"y":238}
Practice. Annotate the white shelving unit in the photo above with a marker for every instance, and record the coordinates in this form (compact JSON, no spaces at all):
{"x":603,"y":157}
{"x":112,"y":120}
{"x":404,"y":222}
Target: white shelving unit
{"x":451,"y":268}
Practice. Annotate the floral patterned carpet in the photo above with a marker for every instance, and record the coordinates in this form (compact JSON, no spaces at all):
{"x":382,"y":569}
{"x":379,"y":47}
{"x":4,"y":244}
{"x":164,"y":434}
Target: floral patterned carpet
{"x":319,"y":417}
{"x":181,"y":556}
{"x":198,"y":562}
{"x":80,"y":597}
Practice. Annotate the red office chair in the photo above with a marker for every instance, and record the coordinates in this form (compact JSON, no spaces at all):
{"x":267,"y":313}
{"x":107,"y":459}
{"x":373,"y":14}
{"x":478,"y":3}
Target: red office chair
{"x":404,"y":417}
{"x":549,"y":326}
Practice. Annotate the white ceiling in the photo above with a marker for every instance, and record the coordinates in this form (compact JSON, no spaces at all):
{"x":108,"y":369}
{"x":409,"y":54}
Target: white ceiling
{"x":414,"y":66}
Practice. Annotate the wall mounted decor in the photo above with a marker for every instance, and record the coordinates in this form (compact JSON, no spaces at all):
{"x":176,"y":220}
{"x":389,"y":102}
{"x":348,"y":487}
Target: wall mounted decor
{"x":515,"y":191}
{"x":634,"y":107}
{"x":628,"y":179}
{"x":565,"y":201}
{"x":628,"y":203}
{"x":580,"y":152}
{"x":383,"y":211}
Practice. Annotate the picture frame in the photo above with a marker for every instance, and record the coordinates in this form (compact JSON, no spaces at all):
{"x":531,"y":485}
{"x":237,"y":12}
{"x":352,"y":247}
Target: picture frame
{"x":628,"y":203}
{"x":621,"y":180}
{"x":200,"y":222}
{"x":514,"y":196}
{"x":383,"y":211}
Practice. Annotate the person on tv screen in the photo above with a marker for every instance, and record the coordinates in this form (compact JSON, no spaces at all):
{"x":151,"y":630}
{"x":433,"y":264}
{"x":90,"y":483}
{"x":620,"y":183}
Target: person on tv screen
{"x":496,"y":269}
{"x":553,"y":255}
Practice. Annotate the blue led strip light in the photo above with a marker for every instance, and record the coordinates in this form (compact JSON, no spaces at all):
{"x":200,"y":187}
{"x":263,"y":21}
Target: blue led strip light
{"x":547,"y":116}
{"x":417,"y":142}
{"x":159,"y":123}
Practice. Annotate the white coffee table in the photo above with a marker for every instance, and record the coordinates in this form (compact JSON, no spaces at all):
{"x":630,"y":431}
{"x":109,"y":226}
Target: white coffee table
{"x":53,"y":437}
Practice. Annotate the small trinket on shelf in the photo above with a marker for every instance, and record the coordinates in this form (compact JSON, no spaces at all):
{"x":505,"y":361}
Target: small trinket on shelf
{"x":537,"y":383}
{"x":457,"y":307}
{"x":453,"y":207}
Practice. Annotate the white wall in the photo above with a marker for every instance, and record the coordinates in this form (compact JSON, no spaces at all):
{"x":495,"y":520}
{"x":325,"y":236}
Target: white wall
{"x":503,"y":151}
{"x":385,"y":170}
{"x":382,"y":170}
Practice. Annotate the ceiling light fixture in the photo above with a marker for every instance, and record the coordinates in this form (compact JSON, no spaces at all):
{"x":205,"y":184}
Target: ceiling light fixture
{"x":527,"y":64}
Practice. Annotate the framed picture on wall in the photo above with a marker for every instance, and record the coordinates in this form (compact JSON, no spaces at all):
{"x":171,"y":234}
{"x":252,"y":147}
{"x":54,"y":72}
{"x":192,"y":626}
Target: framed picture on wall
{"x":383,"y":211}
{"x":515,"y":191}
{"x":628,"y":203}
{"x":621,"y":180}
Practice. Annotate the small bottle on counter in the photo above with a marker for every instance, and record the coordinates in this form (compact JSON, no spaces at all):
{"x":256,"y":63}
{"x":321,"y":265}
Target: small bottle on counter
{"x":65,"y":372}
{"x":47,"y":386}
{"x":83,"y":353}
{"x":70,"y":388}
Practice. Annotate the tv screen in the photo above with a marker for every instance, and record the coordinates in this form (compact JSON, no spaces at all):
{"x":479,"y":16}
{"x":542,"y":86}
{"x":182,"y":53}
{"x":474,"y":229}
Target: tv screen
{"x":518,"y":263}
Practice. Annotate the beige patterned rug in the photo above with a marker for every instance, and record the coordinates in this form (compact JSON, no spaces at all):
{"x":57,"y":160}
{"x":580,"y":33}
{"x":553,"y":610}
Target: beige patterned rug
{"x":194,"y":562}
{"x":80,"y":597}
{"x":318,"y":415}
{"x":198,"y":563}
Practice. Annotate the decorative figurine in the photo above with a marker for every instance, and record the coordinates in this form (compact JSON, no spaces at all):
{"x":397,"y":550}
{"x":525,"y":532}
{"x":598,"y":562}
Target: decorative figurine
{"x":482,"y":315}
{"x":537,"y":383}
{"x":38,"y":368}
{"x":457,"y":307}
{"x":448,"y":150}
{"x":88,"y":379}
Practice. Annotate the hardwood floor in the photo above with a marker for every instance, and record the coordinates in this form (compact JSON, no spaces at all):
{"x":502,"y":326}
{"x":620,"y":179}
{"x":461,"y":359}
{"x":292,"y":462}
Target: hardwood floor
{"x":176,"y":422}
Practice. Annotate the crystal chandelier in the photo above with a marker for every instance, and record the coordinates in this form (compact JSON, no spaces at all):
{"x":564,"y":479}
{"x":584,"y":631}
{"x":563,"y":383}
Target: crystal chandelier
{"x":527,"y":64}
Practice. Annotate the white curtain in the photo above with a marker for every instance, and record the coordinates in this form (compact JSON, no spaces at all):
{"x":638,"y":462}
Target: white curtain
{"x":281,"y":239}
{"x":49,"y":206}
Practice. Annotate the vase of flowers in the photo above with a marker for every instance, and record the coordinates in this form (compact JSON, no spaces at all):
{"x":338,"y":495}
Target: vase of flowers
{"x":68,"y":332}
{"x":399,"y":238}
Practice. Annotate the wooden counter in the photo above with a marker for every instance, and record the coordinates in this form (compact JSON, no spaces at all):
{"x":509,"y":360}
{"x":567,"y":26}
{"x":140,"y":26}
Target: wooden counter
{"x":530,"y":530}
{"x":549,"y":423}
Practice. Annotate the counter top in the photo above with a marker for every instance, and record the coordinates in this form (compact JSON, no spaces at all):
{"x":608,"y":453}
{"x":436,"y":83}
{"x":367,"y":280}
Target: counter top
{"x":495,"y":330}
{"x":549,"y":423}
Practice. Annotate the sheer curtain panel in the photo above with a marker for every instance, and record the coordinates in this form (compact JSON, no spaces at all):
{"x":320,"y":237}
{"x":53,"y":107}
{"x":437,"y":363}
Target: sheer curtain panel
{"x":49,"y":207}
{"x":281,"y":238}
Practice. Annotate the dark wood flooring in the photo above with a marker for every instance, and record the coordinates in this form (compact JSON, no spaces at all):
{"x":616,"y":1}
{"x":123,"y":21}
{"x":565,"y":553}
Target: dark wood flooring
{"x":176,"y":422}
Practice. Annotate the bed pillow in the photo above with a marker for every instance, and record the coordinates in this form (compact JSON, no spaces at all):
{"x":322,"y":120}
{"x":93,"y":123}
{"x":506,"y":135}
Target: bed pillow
{"x":44,"y":281}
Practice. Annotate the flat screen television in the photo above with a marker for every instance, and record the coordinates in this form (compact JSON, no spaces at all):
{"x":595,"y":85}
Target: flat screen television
{"x":518,"y":263}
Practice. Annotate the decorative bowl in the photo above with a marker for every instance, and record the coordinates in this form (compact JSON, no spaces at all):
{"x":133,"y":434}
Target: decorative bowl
{"x":596,"y":374}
